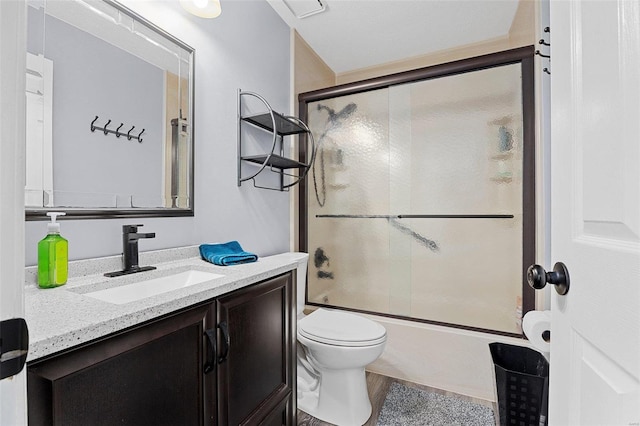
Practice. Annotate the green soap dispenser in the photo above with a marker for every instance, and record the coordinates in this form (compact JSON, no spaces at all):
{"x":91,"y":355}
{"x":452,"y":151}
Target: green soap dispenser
{"x":52,"y":255}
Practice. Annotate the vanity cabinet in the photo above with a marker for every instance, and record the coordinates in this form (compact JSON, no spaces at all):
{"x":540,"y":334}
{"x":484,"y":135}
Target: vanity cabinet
{"x":255,"y":378}
{"x":149,"y":375}
{"x":228,"y":361}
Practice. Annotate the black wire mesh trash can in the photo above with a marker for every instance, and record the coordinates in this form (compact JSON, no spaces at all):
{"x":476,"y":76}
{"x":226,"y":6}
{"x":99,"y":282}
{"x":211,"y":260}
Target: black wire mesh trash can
{"x":522,"y":385}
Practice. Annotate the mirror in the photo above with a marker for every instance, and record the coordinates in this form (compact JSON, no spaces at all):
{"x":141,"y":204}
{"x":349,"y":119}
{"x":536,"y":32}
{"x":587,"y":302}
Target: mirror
{"x":109,"y":113}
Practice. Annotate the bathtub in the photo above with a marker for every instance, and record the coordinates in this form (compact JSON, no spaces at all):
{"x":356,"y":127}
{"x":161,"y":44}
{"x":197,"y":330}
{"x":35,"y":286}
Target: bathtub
{"x":445,"y":358}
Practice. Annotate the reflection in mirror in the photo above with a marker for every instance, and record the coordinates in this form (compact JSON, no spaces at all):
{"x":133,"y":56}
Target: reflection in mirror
{"x":109,"y":113}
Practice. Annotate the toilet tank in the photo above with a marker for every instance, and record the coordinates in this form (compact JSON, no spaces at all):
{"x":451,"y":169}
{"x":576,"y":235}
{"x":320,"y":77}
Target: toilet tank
{"x":301,"y":280}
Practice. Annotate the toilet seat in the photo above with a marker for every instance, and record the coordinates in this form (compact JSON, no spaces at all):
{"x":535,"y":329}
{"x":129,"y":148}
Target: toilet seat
{"x":341,"y":329}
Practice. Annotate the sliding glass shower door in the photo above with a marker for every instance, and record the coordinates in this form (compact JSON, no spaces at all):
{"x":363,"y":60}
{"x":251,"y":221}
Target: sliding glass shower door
{"x":415,"y":202}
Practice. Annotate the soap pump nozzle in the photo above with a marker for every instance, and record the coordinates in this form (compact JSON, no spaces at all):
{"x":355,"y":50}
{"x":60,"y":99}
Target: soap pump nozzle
{"x":54,"y":227}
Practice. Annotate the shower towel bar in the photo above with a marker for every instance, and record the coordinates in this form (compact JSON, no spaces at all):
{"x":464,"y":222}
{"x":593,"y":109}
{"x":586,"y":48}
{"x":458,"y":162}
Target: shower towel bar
{"x":417,"y":216}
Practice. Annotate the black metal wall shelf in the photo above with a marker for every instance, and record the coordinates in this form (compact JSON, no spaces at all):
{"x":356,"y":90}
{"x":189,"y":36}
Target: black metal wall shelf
{"x":276,"y":161}
{"x":279,"y":125}
{"x":284,"y":126}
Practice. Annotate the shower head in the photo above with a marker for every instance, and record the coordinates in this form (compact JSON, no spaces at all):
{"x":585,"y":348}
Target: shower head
{"x":344,"y":112}
{"x":347,"y":110}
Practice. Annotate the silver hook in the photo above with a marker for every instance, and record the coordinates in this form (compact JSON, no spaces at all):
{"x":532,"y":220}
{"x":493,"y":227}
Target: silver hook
{"x":128,"y":133}
{"x":105,"y":128}
{"x":93,"y":128}
{"x":540,"y":54}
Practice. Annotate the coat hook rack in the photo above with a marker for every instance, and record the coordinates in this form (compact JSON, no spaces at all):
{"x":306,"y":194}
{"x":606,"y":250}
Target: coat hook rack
{"x":117,"y":131}
{"x":543,"y":42}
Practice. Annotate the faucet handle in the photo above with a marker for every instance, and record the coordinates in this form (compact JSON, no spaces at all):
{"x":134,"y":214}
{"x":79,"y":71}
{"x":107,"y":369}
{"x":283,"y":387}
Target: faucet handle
{"x":127,"y":229}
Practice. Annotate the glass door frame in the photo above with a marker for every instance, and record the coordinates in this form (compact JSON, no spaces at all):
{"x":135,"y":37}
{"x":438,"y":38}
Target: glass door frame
{"x":525,"y":57}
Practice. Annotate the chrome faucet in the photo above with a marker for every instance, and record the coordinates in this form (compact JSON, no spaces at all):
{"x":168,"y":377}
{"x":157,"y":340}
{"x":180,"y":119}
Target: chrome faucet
{"x":130,"y":237}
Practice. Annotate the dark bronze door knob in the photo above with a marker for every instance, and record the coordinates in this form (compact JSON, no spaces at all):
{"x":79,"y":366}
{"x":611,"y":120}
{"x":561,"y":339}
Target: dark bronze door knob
{"x":537,"y":277}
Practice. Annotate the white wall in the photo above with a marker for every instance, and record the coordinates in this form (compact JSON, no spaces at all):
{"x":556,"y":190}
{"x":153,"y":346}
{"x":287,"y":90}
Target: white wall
{"x":246,"y":47}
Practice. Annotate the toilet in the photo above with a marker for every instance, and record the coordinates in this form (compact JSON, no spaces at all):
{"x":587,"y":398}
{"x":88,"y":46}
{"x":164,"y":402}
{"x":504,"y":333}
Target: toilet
{"x":334,"y":347}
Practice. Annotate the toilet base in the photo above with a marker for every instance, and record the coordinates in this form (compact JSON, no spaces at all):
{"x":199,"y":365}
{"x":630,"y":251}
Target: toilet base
{"x":341,"y":398}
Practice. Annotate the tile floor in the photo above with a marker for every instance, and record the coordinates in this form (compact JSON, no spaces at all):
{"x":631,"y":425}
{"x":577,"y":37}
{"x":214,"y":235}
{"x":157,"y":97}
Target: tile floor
{"x":378,"y":387}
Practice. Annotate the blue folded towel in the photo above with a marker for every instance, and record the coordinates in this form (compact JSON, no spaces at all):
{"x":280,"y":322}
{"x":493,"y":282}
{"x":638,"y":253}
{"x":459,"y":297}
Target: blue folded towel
{"x":226,"y":254}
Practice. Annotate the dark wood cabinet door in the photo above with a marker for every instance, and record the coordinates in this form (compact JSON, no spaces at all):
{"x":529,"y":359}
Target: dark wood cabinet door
{"x":150,"y":375}
{"x":256,"y":369}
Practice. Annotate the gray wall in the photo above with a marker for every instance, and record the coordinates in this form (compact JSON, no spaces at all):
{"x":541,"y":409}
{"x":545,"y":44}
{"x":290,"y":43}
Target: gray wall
{"x":246,"y":47}
{"x":92,"y":77}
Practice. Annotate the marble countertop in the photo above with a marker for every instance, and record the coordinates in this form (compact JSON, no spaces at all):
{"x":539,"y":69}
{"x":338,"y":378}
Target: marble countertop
{"x":64,"y":317}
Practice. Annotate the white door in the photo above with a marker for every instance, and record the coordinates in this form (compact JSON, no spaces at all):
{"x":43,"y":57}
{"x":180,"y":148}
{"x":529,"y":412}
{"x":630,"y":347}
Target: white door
{"x":595,"y":205}
{"x":12,"y":136}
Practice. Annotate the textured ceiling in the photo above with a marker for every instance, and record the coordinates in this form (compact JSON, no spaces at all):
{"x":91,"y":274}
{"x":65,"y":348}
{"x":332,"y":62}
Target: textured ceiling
{"x":354,"y":34}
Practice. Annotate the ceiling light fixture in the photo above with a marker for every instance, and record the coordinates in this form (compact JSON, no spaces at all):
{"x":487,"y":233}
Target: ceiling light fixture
{"x":202,"y":8}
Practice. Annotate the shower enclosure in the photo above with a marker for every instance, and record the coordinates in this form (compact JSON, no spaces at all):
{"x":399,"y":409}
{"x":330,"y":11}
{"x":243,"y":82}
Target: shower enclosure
{"x":420,"y":203}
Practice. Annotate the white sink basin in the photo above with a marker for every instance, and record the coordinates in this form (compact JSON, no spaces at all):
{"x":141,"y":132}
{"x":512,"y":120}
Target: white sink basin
{"x":132,"y":292}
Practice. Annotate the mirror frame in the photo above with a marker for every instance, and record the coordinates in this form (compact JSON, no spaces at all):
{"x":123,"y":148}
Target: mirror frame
{"x":33,"y":214}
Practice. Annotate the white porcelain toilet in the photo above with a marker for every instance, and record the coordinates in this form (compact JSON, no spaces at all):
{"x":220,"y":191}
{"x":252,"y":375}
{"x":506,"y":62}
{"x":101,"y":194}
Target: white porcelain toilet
{"x":334,"y":347}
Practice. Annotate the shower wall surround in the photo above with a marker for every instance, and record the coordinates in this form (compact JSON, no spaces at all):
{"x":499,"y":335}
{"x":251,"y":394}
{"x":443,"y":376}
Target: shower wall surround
{"x":419,"y":196}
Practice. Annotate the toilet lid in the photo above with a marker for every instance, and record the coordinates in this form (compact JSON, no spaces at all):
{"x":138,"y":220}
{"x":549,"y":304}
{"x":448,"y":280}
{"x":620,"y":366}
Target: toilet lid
{"x":341,"y":329}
